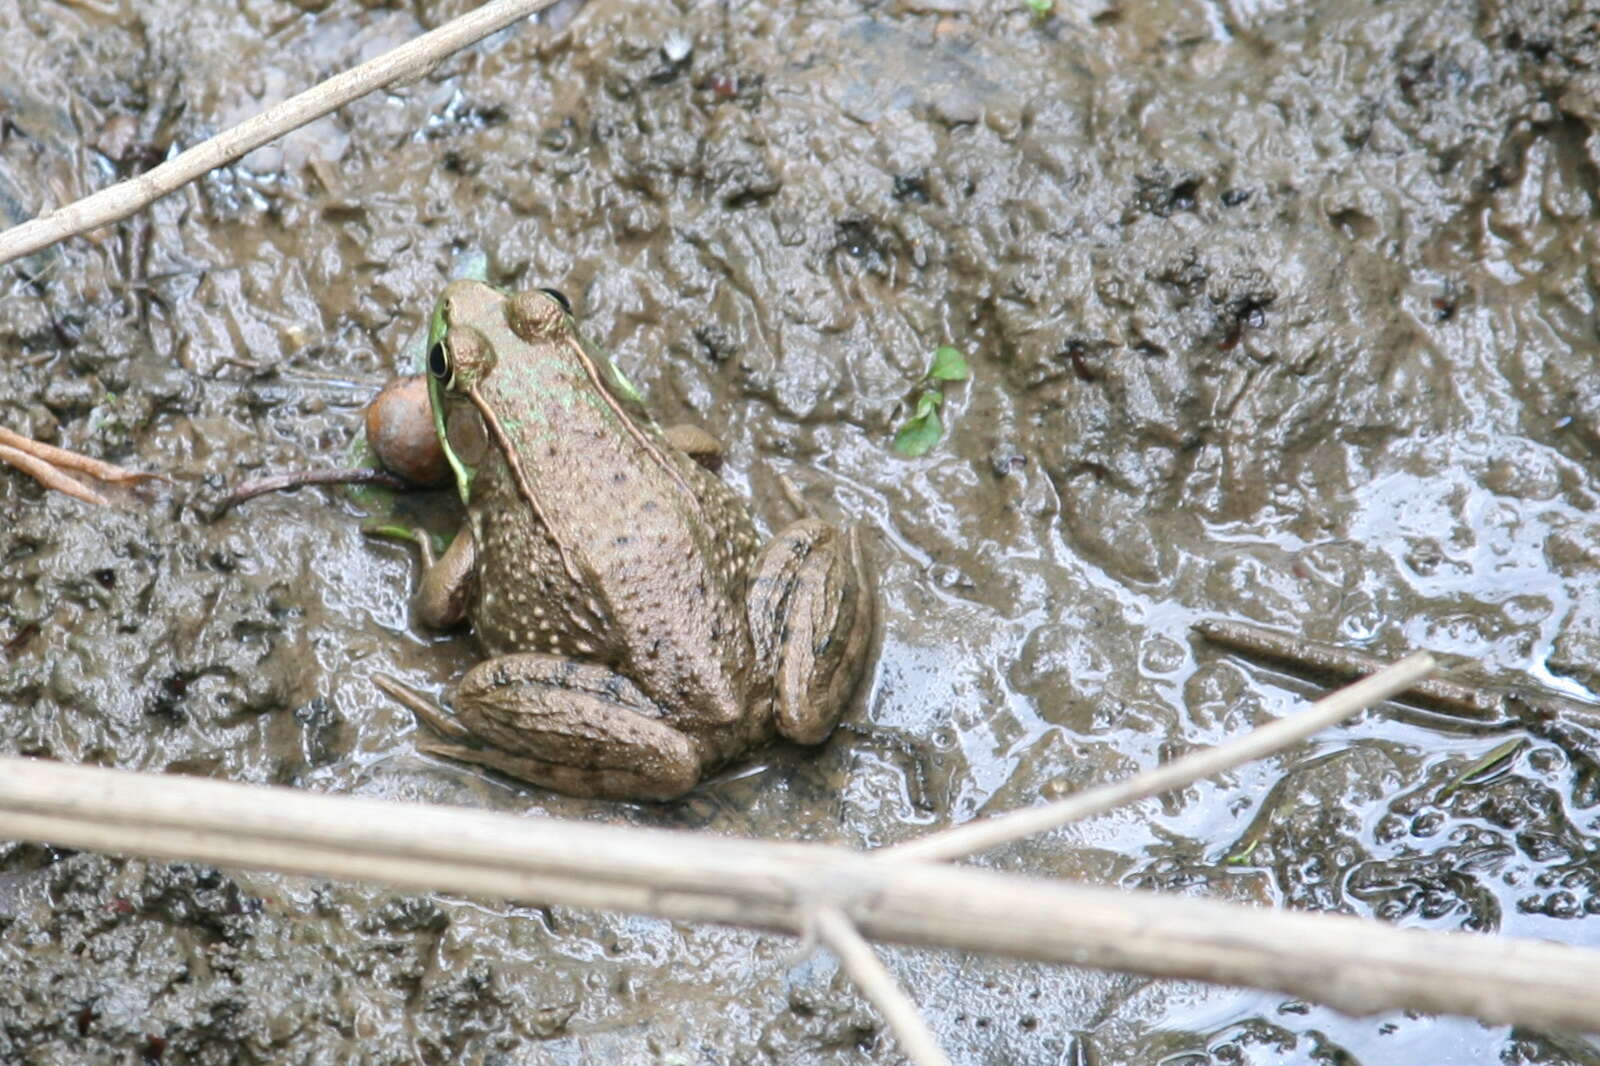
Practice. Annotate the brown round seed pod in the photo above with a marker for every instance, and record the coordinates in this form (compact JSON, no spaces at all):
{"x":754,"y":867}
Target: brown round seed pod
{"x":400,"y":430}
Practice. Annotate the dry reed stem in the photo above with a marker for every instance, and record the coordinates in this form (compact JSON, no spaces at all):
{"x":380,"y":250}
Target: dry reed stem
{"x":1354,"y":965}
{"x":117,"y":202}
{"x":878,"y":984}
{"x":978,"y":836}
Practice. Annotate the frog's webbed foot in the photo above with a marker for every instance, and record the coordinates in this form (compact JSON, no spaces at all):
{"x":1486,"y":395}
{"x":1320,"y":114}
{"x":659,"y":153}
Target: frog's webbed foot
{"x":811,"y":608}
{"x":573,"y":727}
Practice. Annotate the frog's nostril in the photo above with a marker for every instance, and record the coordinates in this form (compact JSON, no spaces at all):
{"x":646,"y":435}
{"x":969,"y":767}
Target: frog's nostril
{"x":438,"y":365}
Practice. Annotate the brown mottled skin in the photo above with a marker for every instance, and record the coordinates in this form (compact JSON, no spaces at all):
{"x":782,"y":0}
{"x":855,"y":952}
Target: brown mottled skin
{"x":638,"y":634}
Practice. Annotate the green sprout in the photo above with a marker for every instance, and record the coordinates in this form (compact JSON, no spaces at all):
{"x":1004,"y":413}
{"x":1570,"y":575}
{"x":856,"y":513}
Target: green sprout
{"x":923,"y":429}
{"x":1242,"y":856}
{"x":948,"y":365}
{"x":1040,"y":8}
{"x":918,"y":434}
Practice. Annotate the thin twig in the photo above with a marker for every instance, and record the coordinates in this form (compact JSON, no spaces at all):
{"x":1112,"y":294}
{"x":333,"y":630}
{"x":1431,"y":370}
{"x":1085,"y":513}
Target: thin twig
{"x":249,"y":490}
{"x":49,"y":466}
{"x":60,"y":457}
{"x":117,"y":202}
{"x":1354,"y":965}
{"x":879,"y":985}
{"x":990,"y":832}
{"x":49,"y":476}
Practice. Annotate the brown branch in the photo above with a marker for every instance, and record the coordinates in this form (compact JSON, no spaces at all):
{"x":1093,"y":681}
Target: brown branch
{"x":83,"y":464}
{"x":1354,"y":965}
{"x":249,"y":490}
{"x":49,"y":476}
{"x":1532,"y":705}
{"x":1330,"y":660}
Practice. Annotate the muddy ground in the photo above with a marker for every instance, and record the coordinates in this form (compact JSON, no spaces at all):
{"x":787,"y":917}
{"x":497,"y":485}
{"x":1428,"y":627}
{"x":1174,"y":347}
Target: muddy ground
{"x":1277,"y":312}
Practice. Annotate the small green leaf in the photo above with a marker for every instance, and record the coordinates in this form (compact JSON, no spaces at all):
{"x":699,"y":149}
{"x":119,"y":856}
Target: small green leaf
{"x":923,"y":429}
{"x":371,"y":498}
{"x":948,"y":365}
{"x":381,"y":528}
{"x":618,"y":378}
{"x":1040,"y":7}
{"x":918,"y":436}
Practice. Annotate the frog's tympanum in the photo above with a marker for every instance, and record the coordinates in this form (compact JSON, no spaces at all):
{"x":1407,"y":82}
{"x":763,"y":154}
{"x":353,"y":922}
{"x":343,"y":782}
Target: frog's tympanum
{"x":637,"y":633}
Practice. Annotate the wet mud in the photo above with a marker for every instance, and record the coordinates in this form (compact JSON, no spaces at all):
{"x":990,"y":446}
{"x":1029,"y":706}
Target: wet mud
{"x":1280,"y":312}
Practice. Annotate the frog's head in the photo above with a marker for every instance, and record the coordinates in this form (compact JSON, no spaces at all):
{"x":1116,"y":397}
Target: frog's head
{"x":460,"y":355}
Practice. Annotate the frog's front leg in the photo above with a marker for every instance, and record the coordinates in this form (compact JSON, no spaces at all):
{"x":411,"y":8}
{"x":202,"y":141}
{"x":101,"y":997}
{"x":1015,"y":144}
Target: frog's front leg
{"x":811,"y":606}
{"x":570,"y":726}
{"x":440,"y":600}
{"x":441,"y":597}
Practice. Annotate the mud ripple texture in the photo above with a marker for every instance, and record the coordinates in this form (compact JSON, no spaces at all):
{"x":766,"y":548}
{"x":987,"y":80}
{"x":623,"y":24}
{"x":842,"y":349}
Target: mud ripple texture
{"x":1277,"y":311}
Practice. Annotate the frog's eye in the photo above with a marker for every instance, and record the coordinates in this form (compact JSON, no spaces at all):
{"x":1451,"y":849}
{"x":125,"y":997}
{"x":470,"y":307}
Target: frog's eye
{"x":559,"y":297}
{"x":438,"y":363}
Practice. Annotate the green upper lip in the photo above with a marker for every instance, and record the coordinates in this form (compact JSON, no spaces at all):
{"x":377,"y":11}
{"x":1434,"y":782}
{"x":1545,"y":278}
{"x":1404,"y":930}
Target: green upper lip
{"x":462,"y":472}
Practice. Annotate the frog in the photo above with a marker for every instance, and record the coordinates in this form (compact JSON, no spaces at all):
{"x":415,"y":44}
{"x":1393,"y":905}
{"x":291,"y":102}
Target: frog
{"x":637,"y":632}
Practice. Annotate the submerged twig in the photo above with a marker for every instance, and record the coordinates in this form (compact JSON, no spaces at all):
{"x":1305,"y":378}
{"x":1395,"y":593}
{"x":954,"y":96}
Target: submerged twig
{"x":1318,"y":658}
{"x":117,"y":202}
{"x":1355,"y":965}
{"x":1330,"y":660}
{"x":990,"y":832}
{"x":1518,"y":701}
{"x":1495,"y":757}
{"x":876,"y":983}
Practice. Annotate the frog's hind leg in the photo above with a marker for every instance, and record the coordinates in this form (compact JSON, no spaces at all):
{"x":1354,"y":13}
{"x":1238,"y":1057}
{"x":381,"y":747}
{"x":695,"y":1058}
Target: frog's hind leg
{"x":575,"y":727}
{"x":811,"y":610}
{"x":570,"y":780}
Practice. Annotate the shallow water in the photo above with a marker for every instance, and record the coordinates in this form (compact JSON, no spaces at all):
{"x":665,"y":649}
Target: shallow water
{"x":1277,"y":312}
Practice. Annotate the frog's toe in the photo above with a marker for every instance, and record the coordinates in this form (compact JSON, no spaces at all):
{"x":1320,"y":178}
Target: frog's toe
{"x":426,"y":711}
{"x":616,"y":783}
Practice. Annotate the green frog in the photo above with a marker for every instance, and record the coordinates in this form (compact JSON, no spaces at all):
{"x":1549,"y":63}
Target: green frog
{"x":637,"y":633}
